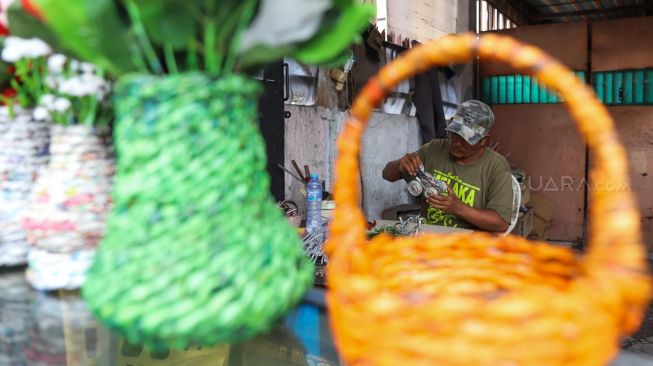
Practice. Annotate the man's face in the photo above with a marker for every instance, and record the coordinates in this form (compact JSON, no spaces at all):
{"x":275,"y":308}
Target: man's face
{"x":461,"y":149}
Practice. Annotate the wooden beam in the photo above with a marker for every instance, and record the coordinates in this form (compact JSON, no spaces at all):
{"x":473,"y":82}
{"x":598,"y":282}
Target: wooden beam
{"x":576,"y":6}
{"x":599,"y":5}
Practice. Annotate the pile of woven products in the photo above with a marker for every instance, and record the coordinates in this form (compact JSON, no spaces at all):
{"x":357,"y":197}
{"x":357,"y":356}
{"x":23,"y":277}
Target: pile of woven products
{"x":24,"y":152}
{"x":61,"y":332}
{"x":15,"y":318}
{"x":65,"y":218}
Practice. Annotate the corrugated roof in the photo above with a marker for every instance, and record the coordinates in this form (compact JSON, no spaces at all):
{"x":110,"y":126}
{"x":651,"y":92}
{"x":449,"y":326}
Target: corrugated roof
{"x":548,"y":11}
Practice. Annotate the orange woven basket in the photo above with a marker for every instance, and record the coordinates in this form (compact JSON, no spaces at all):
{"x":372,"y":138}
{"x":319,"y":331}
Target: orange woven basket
{"x":476,"y":299}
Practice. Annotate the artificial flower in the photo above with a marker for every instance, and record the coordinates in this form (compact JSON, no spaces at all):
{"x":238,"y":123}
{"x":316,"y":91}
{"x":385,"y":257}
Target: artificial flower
{"x":9,"y":93}
{"x":84,"y":84}
{"x":4,"y":8}
{"x":52,"y":81}
{"x":56,"y":63}
{"x":32,"y":9}
{"x":40,"y":113}
{"x":47,"y":100}
{"x":54,"y":103}
{"x":61,"y":105}
{"x":16,"y":49}
{"x":87,"y":68}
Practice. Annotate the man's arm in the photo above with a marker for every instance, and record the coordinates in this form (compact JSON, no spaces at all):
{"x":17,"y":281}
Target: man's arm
{"x":408,"y":164}
{"x":484,"y":219}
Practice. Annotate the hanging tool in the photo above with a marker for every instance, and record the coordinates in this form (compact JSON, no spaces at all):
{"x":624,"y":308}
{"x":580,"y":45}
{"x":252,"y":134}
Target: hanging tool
{"x":299,"y":171}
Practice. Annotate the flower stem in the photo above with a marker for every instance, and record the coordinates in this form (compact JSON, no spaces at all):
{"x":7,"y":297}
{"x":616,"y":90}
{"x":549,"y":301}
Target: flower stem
{"x":210,"y":57}
{"x":90,"y":116}
{"x":191,"y":57}
{"x":169,"y":54}
{"x":245,"y":17}
{"x":136,"y":56}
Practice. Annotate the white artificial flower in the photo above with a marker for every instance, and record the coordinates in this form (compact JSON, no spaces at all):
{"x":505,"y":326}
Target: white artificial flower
{"x":16,"y":48}
{"x":56,"y":63}
{"x":87,"y":68}
{"x":4,"y":111}
{"x":52,"y":81}
{"x":85,"y":84}
{"x":40,"y":113}
{"x":47,"y":100}
{"x":74,"y":65}
{"x":73,"y":86}
{"x":61,"y":105}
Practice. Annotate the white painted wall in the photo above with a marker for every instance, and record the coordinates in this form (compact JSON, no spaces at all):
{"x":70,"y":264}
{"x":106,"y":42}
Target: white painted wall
{"x":422,"y":20}
{"x":310,"y":136}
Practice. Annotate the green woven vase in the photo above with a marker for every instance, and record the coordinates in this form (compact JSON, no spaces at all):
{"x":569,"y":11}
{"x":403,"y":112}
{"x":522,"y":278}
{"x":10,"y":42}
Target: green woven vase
{"x":195,"y":253}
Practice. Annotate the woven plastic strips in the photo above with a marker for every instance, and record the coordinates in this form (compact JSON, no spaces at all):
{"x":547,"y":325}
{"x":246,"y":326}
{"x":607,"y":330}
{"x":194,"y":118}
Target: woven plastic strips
{"x":66,"y":215}
{"x":24,"y":144}
{"x":196,"y":252}
{"x":476,"y":299}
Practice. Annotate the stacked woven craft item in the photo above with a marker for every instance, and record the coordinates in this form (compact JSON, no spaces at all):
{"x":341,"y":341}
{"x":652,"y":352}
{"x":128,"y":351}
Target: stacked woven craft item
{"x":15,"y":318}
{"x":58,"y":334}
{"x":24,"y":152}
{"x":66,"y":215}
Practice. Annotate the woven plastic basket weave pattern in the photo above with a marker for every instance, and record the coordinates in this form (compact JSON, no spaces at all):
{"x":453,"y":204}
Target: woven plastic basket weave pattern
{"x":15,"y":317}
{"x":196,"y":251}
{"x":66,"y":215}
{"x":24,"y":146}
{"x":71,"y":197}
{"x":477,"y":299}
{"x":62,"y":331}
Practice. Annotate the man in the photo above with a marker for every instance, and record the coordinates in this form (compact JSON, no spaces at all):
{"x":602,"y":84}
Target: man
{"x":479,"y":182}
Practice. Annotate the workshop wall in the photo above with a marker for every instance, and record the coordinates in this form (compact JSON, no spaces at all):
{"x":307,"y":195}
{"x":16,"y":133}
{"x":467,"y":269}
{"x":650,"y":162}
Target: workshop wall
{"x":541,"y":138}
{"x":310,"y":138}
{"x":625,"y":45}
{"x":311,"y":132}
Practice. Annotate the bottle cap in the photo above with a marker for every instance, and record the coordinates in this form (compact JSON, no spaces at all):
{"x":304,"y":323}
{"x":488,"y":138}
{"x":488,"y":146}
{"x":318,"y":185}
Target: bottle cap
{"x":314,"y":176}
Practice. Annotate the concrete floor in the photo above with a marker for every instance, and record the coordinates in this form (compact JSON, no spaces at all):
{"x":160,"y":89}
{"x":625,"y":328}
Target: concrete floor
{"x":642,"y":341}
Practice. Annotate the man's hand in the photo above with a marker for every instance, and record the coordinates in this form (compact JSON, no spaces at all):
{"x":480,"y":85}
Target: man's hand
{"x":485,"y":219}
{"x":449,"y":204}
{"x":410,"y":164}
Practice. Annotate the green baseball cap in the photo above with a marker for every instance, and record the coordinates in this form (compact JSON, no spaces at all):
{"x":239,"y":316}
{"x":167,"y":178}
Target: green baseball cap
{"x":472,"y":121}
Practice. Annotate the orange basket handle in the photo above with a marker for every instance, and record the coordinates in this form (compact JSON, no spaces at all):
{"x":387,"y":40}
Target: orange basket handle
{"x":614,"y":230}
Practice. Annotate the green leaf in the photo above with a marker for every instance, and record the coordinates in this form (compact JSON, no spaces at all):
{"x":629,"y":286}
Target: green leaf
{"x":24,"y":25}
{"x":93,"y":31}
{"x":170,"y":22}
{"x":330,"y":42}
{"x":342,"y":4}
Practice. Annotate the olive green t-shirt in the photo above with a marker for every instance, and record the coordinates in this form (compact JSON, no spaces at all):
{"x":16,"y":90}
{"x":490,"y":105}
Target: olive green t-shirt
{"x":484,"y":184}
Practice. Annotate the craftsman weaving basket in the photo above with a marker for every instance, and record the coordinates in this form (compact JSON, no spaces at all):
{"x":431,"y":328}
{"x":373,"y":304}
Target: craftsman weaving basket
{"x":477,"y":299}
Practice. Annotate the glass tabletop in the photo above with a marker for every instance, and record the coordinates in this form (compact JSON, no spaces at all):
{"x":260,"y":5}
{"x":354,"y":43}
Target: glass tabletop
{"x":56,"y":329}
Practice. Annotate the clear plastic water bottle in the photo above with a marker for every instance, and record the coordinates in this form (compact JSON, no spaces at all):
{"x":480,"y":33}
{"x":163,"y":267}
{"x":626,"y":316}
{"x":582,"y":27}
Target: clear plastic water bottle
{"x":313,"y":203}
